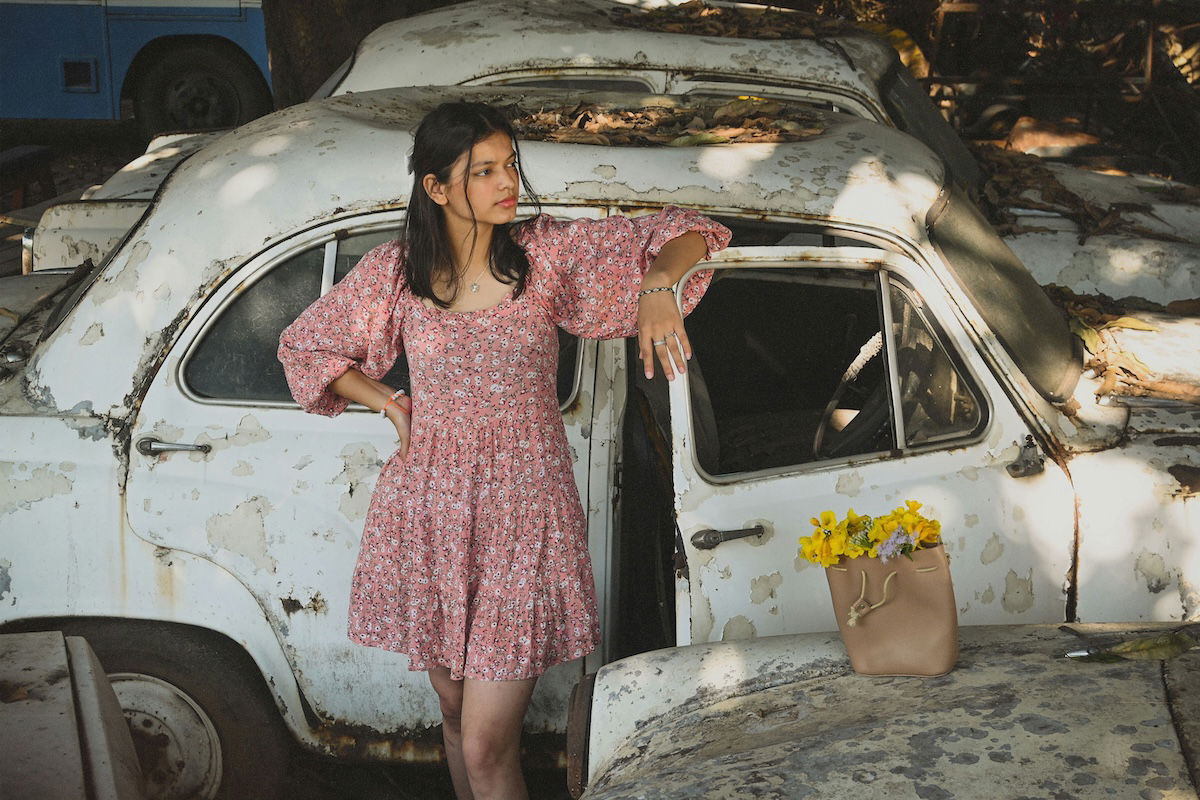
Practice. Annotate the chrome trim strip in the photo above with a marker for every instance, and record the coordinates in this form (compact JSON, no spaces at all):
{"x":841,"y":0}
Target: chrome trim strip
{"x":899,"y":439}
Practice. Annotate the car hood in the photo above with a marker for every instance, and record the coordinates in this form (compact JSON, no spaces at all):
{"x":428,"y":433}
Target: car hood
{"x":1015,"y":716}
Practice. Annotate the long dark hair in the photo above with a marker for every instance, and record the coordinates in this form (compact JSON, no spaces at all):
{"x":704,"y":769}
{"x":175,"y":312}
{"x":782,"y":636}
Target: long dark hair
{"x":446,"y":133}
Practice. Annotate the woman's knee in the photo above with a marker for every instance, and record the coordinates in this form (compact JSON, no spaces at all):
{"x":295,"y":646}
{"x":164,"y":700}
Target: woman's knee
{"x":450,"y":694}
{"x":485,"y":750}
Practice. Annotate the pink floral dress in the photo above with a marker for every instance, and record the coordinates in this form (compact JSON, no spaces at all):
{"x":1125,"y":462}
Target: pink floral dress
{"x":474,"y":555}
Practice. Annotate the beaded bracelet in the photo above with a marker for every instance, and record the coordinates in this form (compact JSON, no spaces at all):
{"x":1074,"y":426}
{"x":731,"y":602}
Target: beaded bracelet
{"x":392,"y":401}
{"x":643,"y":292}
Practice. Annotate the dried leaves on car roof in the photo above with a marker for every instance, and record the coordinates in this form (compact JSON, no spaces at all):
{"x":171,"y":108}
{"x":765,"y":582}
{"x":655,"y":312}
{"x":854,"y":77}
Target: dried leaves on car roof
{"x":743,"y":119}
{"x":1093,"y":318}
{"x":700,"y":19}
{"x":1018,"y":180}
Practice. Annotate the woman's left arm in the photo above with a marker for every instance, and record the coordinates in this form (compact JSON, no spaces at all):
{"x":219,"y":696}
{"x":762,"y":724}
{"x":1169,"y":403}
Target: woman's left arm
{"x":660,"y":325}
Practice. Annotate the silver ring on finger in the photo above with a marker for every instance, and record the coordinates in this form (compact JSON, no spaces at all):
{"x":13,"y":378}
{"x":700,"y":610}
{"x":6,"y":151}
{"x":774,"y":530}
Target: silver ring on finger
{"x":658,"y":342}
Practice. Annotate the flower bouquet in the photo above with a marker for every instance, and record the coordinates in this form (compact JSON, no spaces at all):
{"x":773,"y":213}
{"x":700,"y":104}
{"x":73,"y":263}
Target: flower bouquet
{"x":889,"y":579}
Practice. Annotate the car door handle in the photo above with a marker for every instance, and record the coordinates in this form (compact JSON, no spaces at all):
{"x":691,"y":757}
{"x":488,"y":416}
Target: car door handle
{"x":149,"y":446}
{"x":1029,"y":461}
{"x":707,"y":539}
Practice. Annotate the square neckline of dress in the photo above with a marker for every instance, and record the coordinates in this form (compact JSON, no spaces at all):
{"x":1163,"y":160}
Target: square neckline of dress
{"x":429,"y":306}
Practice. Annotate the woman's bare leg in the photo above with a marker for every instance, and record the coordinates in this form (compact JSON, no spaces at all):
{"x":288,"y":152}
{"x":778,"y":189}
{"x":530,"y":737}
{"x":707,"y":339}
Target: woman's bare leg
{"x":450,"y":697}
{"x":492,"y":713}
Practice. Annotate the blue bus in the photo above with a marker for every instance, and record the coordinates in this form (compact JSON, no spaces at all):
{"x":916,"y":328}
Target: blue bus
{"x":178,"y":64}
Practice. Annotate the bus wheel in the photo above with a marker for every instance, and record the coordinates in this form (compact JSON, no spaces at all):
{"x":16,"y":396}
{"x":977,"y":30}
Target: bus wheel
{"x":197,"y":88}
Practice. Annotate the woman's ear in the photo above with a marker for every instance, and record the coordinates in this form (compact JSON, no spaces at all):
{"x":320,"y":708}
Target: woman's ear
{"x":435,"y":190}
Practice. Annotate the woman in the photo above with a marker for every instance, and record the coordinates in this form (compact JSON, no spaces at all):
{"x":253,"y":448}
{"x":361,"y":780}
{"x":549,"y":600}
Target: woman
{"x":474,"y":557}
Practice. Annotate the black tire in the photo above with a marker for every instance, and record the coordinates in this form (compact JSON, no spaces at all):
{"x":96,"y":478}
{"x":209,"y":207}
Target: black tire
{"x":195,"y":88}
{"x":203,"y":723}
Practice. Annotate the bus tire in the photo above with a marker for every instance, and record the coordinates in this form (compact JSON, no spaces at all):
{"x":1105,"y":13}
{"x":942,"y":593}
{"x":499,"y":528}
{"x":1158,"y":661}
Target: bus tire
{"x":193,"y":87}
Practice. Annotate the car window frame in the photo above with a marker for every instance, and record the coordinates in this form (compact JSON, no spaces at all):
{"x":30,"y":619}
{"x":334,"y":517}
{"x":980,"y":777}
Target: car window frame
{"x":887,"y":266}
{"x":860,"y":106}
{"x":261,"y":264}
{"x":655,"y":80}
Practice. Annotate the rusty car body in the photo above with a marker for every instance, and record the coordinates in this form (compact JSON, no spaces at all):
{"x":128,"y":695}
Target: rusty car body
{"x":1153,"y":254}
{"x":784,"y":717}
{"x":161,"y":493}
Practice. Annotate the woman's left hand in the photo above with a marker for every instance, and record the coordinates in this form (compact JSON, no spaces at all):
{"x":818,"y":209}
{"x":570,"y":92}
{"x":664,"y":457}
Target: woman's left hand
{"x":661,"y":334}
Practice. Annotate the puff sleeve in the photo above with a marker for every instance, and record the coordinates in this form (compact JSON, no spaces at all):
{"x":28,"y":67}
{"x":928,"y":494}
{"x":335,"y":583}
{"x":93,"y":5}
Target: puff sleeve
{"x":355,"y":324}
{"x":590,"y":270}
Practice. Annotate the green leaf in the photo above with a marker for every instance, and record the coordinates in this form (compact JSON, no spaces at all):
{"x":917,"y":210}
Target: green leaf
{"x":1091,"y":339}
{"x":1130,"y":322}
{"x":1143,"y":648}
{"x":1151,"y":648}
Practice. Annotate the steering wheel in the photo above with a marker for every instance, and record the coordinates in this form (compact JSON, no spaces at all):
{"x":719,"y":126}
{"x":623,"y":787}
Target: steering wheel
{"x":870,"y":349}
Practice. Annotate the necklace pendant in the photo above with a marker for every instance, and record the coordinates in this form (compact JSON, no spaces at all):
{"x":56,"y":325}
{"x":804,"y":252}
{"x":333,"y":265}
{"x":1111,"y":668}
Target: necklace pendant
{"x":474,"y":287}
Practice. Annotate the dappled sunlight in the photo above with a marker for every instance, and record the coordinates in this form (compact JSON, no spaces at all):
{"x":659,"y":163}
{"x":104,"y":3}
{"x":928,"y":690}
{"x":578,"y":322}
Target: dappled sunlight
{"x":729,"y":163}
{"x":270,"y":145}
{"x":147,"y":159}
{"x":244,"y":186}
{"x":1139,"y":558}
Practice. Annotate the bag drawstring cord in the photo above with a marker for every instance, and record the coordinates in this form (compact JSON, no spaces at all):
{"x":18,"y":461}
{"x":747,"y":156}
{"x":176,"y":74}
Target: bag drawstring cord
{"x":860,"y":607}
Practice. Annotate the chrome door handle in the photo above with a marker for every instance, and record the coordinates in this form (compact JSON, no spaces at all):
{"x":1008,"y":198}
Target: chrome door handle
{"x":149,"y":446}
{"x":707,"y":539}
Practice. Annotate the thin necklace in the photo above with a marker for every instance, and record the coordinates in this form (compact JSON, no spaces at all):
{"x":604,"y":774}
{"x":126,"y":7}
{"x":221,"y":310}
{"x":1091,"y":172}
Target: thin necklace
{"x":474,"y":285}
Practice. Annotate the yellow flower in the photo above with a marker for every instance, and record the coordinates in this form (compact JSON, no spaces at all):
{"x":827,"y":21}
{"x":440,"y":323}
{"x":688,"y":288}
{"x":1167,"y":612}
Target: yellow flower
{"x":817,"y":548}
{"x":929,"y":533}
{"x":828,"y":521}
{"x":857,"y":536}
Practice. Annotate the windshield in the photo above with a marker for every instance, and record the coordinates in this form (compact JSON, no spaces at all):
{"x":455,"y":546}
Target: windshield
{"x":1031,"y":328}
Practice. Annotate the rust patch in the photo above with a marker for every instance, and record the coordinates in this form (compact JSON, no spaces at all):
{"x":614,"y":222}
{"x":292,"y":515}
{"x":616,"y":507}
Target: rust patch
{"x":1188,"y":477}
{"x":316,"y":605}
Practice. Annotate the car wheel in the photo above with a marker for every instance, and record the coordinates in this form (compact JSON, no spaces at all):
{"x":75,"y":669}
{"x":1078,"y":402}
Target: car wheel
{"x":203,"y":724}
{"x":193,"y":88}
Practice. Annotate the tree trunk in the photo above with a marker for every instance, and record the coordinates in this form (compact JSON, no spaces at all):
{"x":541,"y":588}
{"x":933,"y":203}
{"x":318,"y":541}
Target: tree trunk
{"x":308,"y":39}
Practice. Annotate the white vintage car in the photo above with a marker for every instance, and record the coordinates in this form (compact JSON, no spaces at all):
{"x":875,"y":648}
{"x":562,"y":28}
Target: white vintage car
{"x":597,"y":44}
{"x":161,"y":494}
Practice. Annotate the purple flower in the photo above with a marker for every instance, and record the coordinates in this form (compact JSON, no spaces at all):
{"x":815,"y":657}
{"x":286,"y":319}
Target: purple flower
{"x":894,"y":545}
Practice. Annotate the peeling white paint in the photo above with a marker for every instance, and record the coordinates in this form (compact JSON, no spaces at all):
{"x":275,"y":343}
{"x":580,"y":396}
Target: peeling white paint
{"x":702,"y":618}
{"x":1152,"y":569}
{"x":243,"y":531}
{"x":763,"y":588}
{"x":92,"y":334}
{"x":738,"y":628}
{"x":992,"y":549}
{"x":849,"y":484}
{"x":24,"y":487}
{"x":248,"y":431}
{"x":1018,"y":592}
{"x":360,"y":467}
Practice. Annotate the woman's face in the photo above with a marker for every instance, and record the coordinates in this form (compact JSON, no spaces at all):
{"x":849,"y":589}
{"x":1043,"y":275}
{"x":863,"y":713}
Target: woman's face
{"x":484,"y":180}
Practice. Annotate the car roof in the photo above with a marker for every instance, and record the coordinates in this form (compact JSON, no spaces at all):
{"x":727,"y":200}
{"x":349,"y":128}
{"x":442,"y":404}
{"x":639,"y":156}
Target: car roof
{"x":472,"y":40}
{"x":342,"y":157}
